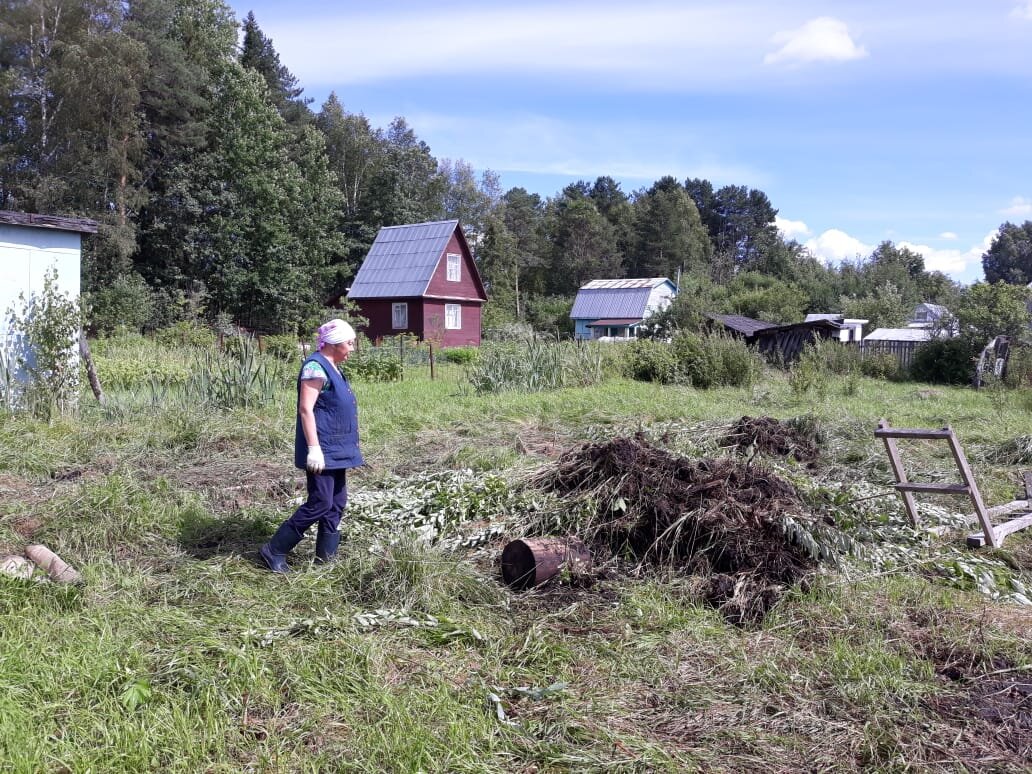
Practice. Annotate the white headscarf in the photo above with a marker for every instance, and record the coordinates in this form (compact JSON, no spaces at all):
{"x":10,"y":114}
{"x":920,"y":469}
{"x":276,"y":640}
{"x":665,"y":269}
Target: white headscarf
{"x":335,"y":332}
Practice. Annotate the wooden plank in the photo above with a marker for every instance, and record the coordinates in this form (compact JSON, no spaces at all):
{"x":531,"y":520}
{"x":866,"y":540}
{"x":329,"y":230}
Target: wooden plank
{"x":899,"y":472}
{"x":976,"y":496}
{"x":950,"y":489}
{"x":912,"y":433}
{"x":1014,"y":525}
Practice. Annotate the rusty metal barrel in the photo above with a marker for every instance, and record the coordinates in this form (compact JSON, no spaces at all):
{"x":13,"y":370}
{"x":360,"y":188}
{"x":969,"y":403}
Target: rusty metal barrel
{"x":532,"y":561}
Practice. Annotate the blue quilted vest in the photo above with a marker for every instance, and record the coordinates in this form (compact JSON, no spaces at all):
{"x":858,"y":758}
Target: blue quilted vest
{"x":336,"y":421}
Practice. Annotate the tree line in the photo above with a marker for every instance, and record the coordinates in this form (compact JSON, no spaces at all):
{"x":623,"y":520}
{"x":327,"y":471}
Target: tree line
{"x":221,"y":193}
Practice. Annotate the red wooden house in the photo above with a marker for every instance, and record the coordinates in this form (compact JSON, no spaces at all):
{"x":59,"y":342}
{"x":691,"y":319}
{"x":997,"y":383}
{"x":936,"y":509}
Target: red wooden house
{"x":421,"y":279}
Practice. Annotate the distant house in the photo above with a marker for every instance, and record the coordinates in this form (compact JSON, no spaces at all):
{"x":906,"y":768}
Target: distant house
{"x":927,"y":316}
{"x":31,"y":246}
{"x":421,"y":279}
{"x":852,"y":329}
{"x":615,"y":308}
{"x":901,"y":342}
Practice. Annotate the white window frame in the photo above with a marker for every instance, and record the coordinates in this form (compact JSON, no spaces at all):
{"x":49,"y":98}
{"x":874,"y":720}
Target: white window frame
{"x":453,"y":317}
{"x":454,"y":267}
{"x":399,"y":315}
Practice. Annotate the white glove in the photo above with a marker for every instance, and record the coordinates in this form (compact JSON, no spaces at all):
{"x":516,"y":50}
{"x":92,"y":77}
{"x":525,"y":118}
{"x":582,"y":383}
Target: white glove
{"x":315,"y":462}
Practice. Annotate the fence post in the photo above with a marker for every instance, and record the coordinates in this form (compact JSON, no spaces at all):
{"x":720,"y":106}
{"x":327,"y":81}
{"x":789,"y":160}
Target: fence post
{"x":430,"y":344}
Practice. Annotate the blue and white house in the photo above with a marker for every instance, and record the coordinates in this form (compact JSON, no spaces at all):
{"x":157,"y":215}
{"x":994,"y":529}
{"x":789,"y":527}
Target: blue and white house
{"x":615,"y":308}
{"x":31,"y":246}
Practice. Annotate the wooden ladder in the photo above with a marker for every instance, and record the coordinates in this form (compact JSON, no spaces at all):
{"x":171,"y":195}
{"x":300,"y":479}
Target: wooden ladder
{"x":992,"y":535}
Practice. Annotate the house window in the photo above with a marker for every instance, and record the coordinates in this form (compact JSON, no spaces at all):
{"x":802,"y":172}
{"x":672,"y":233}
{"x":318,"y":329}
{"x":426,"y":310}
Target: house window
{"x":399,"y":316}
{"x":452,"y":317}
{"x":454,"y":267}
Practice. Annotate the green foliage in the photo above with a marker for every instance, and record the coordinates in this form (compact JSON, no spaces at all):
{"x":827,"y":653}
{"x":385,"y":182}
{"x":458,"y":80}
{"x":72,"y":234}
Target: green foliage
{"x":839,"y":358}
{"x":535,"y":366}
{"x":884,"y":307}
{"x":190,"y":333}
{"x":283,"y":346}
{"x":460,"y":355}
{"x":986,"y":311}
{"x":701,"y":361}
{"x":374,"y":364}
{"x":808,"y":376}
{"x":1019,"y":366}
{"x":1009,"y":257}
{"x":882,"y":365}
{"x":47,"y":324}
{"x":764,"y":298}
{"x":126,"y":303}
{"x":944,"y":361}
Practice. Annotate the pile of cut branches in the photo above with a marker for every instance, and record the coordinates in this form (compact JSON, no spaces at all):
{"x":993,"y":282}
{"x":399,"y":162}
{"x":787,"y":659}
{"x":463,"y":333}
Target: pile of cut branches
{"x":732,"y":525}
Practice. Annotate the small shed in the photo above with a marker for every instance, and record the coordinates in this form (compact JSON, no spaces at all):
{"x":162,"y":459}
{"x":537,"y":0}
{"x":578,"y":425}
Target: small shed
{"x":614,"y":308}
{"x":851,"y":330}
{"x":31,"y":246}
{"x":421,"y":279}
{"x":785,"y":342}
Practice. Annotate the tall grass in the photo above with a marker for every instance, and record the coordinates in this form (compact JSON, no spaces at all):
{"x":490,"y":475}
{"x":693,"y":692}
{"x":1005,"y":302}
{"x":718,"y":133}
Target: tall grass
{"x":534,"y":365}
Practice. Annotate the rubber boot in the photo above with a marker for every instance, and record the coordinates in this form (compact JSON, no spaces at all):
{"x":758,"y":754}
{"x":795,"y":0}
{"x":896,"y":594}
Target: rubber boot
{"x":326,"y":546}
{"x":274,"y":553}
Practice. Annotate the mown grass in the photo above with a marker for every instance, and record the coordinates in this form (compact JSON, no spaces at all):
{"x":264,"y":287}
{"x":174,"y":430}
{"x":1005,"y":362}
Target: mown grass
{"x":180,"y":654}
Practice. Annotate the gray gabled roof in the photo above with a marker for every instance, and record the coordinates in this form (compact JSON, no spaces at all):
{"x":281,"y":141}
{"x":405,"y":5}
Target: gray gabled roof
{"x":740,"y":323}
{"x":597,"y":303}
{"x":402,"y":260}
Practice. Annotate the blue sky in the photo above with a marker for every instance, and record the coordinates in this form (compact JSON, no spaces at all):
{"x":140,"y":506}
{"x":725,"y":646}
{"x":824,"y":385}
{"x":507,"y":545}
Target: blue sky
{"x":862,"y":121}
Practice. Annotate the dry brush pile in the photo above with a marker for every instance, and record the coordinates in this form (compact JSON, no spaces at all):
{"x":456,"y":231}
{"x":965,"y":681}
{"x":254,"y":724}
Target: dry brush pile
{"x":735,"y":526}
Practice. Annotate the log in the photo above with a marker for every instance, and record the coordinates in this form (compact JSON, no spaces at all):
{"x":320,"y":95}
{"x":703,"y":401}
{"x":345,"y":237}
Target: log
{"x":53,"y":565}
{"x":533,"y":561}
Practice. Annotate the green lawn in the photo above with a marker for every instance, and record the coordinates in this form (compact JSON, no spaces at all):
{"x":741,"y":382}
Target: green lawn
{"x":180,"y":654}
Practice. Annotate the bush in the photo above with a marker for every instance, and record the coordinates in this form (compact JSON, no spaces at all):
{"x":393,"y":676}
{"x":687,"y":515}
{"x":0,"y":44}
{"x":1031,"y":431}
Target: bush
{"x":652,"y":361}
{"x":839,"y":358}
{"x":808,"y":376}
{"x":127,"y":303}
{"x":944,"y":361}
{"x":882,"y":365}
{"x":1019,"y":367}
{"x":282,"y":346}
{"x":185,"y":333}
{"x":460,"y":355}
{"x":695,"y":359}
{"x":374,"y":365}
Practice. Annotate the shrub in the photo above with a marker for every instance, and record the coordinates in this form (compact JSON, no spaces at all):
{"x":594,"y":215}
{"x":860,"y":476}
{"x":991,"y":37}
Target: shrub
{"x":282,"y":346}
{"x":652,"y":361}
{"x":839,"y":358}
{"x":126,"y":303}
{"x":460,"y":355}
{"x":808,"y":375}
{"x":944,"y":361}
{"x":1019,"y":367}
{"x":374,"y":365}
{"x":185,"y":332}
{"x":882,"y":365}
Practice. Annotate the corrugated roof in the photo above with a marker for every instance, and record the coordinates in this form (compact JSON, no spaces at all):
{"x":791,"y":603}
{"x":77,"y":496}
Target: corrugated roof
{"x":899,"y":334}
{"x":402,"y":260}
{"x":647,"y":282}
{"x":737,"y":322}
{"x":832,"y":317}
{"x":598,"y":303}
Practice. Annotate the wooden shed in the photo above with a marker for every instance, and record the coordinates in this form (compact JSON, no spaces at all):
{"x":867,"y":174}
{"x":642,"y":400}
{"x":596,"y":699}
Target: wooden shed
{"x":784,"y":342}
{"x":421,"y":279}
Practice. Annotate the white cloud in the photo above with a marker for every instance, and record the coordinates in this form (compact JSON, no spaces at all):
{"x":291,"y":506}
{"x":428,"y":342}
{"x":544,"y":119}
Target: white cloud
{"x":947,"y":235}
{"x":819,"y":40}
{"x":834,"y":246}
{"x":1023,"y":10}
{"x":952,"y":262}
{"x":672,"y":43}
{"x":790,"y":229}
{"x":1020,"y":206}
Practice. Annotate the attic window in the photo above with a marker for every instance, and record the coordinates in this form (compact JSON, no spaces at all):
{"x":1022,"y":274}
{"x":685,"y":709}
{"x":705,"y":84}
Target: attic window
{"x":454,"y":267}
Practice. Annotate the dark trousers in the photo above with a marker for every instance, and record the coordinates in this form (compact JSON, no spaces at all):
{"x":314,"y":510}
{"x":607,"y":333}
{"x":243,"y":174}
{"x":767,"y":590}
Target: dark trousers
{"x":327,"y":496}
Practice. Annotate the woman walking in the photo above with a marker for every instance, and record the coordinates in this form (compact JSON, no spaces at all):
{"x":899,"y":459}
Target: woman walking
{"x":325,"y":446}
